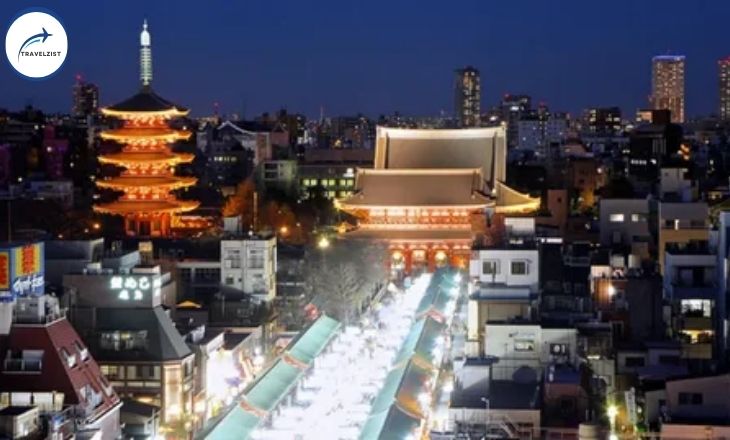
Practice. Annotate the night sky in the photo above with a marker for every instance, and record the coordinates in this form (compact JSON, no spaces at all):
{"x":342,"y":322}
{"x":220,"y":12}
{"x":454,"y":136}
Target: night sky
{"x":377,"y":57}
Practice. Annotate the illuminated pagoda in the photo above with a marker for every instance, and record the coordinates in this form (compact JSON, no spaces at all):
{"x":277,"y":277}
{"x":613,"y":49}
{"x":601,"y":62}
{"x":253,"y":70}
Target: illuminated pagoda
{"x":147,"y":179}
{"x":430,"y":192}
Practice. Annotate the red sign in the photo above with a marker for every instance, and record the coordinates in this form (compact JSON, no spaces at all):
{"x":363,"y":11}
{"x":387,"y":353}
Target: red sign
{"x":4,"y":270}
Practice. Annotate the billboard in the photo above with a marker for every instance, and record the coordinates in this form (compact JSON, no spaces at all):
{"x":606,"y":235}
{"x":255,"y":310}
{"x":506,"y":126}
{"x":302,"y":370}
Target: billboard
{"x":21,"y":271}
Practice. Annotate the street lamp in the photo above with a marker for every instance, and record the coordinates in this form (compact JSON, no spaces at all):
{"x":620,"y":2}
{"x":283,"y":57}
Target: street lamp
{"x":612,"y":413}
{"x":323,"y":243}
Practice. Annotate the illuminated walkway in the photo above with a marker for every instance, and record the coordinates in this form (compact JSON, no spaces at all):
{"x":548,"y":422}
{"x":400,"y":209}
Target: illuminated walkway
{"x":335,"y":400}
{"x":369,"y":381}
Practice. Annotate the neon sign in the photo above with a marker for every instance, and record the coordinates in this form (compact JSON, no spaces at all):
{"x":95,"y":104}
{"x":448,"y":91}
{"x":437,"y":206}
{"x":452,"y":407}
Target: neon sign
{"x":134,"y":287}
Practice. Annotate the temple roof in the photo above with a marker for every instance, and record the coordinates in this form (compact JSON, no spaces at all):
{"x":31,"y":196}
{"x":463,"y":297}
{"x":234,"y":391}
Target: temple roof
{"x":459,"y":188}
{"x":145,"y":133}
{"x":146,"y":101}
{"x":147,"y":182}
{"x":146,"y":158}
{"x":484,"y":147}
{"x":123,"y":207}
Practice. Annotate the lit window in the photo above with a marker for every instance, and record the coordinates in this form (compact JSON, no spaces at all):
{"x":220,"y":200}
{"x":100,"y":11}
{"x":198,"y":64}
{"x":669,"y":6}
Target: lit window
{"x":524,"y":345}
{"x":638,"y":218}
{"x":616,"y":218}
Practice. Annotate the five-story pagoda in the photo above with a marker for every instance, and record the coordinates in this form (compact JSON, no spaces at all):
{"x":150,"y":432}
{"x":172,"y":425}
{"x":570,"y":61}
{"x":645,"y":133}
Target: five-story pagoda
{"x":148,"y":163}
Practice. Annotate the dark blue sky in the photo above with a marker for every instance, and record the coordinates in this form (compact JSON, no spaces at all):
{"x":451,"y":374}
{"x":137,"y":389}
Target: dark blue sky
{"x":379,"y":56}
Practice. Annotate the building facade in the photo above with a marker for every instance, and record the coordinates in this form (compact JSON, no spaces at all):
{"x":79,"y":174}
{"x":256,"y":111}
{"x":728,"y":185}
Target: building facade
{"x":667,"y":85}
{"x":723,"y":67}
{"x":467,"y":96}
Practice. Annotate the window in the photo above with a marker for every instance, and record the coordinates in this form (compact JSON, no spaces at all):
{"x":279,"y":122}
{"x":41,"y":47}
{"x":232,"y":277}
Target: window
{"x":113,"y":372}
{"x":69,"y":358}
{"x":131,"y":372}
{"x":698,"y":308}
{"x":669,"y":359}
{"x":634,"y":361}
{"x":616,"y":218}
{"x":638,"y":218}
{"x":255,"y":258}
{"x":490,"y":267}
{"x":518,"y":268}
{"x":125,"y":340}
{"x":524,"y":345}
{"x":690,"y":398}
{"x":83,"y":351}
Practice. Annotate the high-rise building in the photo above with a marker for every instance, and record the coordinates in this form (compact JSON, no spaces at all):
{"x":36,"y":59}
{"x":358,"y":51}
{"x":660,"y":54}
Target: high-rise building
{"x":86,"y":98}
{"x":512,"y":108}
{"x":724,"y":78}
{"x":667,"y":85}
{"x":602,"y":120}
{"x":467,"y":99}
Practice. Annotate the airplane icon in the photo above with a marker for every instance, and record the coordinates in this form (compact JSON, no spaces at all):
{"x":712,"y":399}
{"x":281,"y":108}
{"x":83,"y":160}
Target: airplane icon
{"x":35,"y":39}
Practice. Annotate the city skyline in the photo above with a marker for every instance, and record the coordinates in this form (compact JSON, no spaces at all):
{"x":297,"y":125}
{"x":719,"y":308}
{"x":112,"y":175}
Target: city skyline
{"x":360,"y":61}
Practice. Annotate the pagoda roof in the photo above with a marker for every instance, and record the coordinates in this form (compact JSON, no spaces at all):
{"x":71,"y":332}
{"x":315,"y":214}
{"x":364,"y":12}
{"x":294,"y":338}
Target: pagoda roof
{"x":167,"y":182}
{"x":403,"y":188}
{"x":154,"y":157}
{"x":145,"y":133}
{"x":123,"y":207}
{"x":145,"y":101}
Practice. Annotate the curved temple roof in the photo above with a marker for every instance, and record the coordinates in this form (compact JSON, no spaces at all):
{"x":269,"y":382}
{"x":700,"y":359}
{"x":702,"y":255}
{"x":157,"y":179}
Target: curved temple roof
{"x":146,"y":101}
{"x":154,"y":207}
{"x":126,"y":134}
{"x":155,"y":182}
{"x":148,"y":158}
{"x":458,"y":188}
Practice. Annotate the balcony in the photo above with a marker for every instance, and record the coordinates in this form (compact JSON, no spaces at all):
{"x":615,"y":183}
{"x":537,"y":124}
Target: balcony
{"x":501,"y":292}
{"x":20,"y":365}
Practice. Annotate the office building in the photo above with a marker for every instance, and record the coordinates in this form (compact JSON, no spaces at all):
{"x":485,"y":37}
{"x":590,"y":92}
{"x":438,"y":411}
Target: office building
{"x":667,"y":85}
{"x":467,"y":99}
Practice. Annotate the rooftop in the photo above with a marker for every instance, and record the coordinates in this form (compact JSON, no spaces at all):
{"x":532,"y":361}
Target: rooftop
{"x":15,"y":410}
{"x":414,"y":188}
{"x":145,"y":101}
{"x":501,"y":394}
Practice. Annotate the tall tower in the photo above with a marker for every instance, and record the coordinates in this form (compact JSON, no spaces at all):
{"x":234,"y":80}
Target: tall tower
{"x":146,"y":162}
{"x":467,"y":96}
{"x":145,"y":56}
{"x":724,"y":78}
{"x":667,"y":85}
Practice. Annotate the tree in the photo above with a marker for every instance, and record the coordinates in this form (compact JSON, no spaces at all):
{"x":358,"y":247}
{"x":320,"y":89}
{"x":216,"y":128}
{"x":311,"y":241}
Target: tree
{"x":241,"y":203}
{"x":341,"y":278}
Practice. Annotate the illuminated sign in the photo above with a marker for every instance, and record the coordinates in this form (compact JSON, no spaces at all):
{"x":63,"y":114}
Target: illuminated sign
{"x":30,"y":284}
{"x":134,"y":287}
{"x":4,"y":271}
{"x":27,"y":260}
{"x":21,"y":270}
